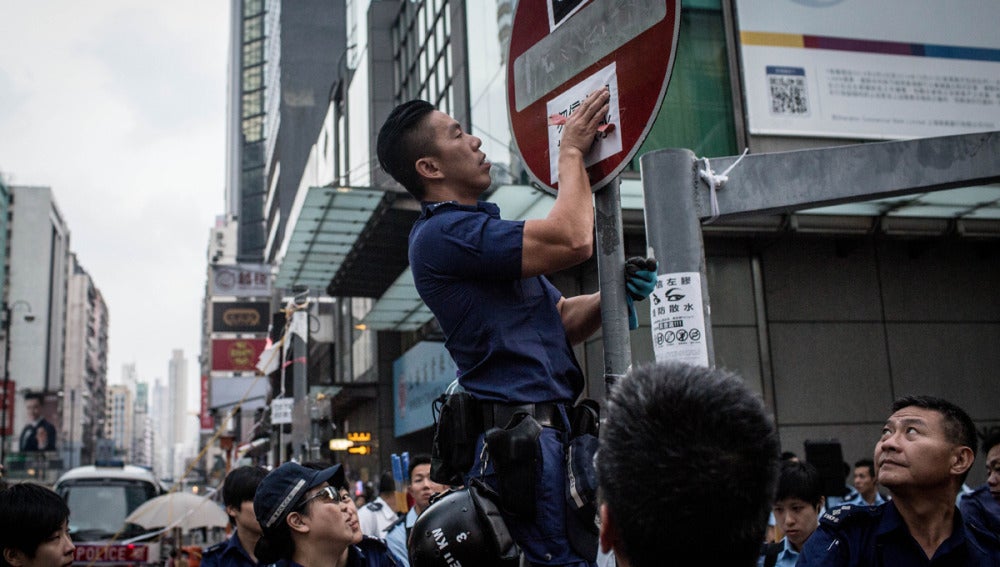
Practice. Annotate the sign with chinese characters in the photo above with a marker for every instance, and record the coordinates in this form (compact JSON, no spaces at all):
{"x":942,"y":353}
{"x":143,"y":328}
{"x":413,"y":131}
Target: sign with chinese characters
{"x":566,"y":103}
{"x":677,"y":319}
{"x":281,"y":410}
{"x":236,"y":355}
{"x":870,"y":69}
{"x":418,"y":378}
{"x":205,"y":419}
{"x":241,"y":280}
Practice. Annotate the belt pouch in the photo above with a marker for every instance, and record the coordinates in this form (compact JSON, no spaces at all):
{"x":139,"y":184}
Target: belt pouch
{"x":515,"y":451}
{"x":454,"y":447}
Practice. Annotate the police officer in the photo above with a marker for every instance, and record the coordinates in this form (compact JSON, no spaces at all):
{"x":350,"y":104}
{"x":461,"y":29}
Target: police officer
{"x":923,"y":456}
{"x":982,"y":505}
{"x":378,"y":515}
{"x":509,"y":330}
{"x":421,"y":488}
{"x":238,"y":490}
{"x":308,"y":519}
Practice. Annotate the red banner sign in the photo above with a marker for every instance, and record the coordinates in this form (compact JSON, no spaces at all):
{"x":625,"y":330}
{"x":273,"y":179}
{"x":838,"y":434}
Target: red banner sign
{"x":236,"y":354}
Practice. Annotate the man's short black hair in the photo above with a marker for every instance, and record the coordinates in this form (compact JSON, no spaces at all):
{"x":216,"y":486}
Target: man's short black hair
{"x":688,"y":460}
{"x":416,"y":461}
{"x":241,"y":485}
{"x":386,"y":483}
{"x":401,"y":142}
{"x":868,"y":464}
{"x":799,"y":480}
{"x":991,"y":438}
{"x":958,"y":426}
{"x":29,"y":514}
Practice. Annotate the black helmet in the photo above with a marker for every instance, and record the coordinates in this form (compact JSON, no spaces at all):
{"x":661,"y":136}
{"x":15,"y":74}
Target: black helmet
{"x":463,"y":527}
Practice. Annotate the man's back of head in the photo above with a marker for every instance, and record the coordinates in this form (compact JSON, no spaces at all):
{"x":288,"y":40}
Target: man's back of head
{"x":687,"y":463}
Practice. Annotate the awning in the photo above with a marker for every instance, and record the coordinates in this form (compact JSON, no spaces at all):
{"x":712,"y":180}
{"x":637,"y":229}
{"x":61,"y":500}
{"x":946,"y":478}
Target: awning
{"x":349,"y":241}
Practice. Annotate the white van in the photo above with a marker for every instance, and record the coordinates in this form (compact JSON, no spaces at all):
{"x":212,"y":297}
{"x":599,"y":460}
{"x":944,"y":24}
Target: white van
{"x":99,"y":499}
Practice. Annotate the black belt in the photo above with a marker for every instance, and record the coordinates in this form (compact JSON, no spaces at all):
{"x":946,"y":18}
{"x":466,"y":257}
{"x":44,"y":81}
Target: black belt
{"x":499,"y":415}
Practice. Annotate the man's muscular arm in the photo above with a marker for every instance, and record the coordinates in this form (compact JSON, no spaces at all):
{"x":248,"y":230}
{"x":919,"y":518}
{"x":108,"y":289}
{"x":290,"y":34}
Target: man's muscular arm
{"x":581,"y":316}
{"x":565,"y":237}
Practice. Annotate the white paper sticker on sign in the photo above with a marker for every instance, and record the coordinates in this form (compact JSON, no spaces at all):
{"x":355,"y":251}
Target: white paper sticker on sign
{"x":281,"y":410}
{"x":678,"y":319}
{"x":608,"y":143}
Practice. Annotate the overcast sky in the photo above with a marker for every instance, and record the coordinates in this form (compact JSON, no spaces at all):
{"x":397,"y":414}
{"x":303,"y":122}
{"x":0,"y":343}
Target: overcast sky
{"x":119,"y":107}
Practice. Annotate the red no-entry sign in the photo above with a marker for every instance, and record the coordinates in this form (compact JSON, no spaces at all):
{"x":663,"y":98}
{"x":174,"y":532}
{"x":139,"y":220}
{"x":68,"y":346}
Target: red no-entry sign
{"x":560,"y":50}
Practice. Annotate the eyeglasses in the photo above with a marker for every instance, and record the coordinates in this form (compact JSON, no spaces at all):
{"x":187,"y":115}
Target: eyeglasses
{"x":328,"y":494}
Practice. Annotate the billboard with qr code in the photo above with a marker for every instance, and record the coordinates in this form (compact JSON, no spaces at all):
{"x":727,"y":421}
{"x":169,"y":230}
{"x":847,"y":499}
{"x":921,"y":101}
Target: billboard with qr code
{"x":873,"y":70}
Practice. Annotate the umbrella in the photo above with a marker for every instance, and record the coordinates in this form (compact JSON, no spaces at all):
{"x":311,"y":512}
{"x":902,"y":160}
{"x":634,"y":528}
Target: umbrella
{"x":179,"y":510}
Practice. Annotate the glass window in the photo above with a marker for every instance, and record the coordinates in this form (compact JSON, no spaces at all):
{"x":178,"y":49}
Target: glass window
{"x":697,"y":109}
{"x":253,"y":78}
{"x":252,"y":7}
{"x":253,"y":53}
{"x":253,"y":103}
{"x":253,"y":28}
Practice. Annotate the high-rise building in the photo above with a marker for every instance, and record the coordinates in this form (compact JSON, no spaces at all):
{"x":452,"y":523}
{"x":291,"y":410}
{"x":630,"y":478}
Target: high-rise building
{"x":245,"y":187}
{"x":119,"y":420}
{"x":282,"y":61}
{"x":179,"y":418}
{"x":86,"y":366}
{"x":39,"y":267}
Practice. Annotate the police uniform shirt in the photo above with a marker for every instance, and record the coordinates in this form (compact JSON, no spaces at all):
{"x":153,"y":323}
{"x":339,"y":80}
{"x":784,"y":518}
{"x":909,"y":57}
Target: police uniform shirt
{"x":786,"y":557}
{"x":396,"y":537}
{"x":229,"y":553}
{"x":980,"y":508}
{"x":859,"y":500}
{"x":369,"y":552}
{"x":878,"y":536}
{"x":375,"y":516}
{"x":504,"y":332}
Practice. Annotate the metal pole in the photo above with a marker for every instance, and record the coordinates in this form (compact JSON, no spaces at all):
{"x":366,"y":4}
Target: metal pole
{"x":299,"y":333}
{"x":611,"y":275}
{"x":673,"y":228}
{"x":72,"y":418}
{"x":6,"y":383}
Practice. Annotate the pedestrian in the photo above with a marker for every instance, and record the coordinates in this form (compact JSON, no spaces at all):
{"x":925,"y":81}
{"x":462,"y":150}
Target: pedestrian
{"x":34,"y":528}
{"x":238,"y":490}
{"x":307,"y":517}
{"x":925,"y":452}
{"x":379,"y":514}
{"x":687,"y":466}
{"x":508,"y":329}
{"x":981,"y":507}
{"x":421,"y":488}
{"x":796,"y":510}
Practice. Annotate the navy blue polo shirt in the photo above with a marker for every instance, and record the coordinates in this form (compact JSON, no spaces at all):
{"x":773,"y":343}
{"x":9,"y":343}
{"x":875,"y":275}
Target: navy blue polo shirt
{"x":504,"y":332}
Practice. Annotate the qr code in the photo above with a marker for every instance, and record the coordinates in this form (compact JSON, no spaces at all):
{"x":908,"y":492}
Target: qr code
{"x":787,"y":87}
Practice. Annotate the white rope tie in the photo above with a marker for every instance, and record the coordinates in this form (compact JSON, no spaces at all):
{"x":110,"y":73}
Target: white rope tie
{"x":717,"y":181}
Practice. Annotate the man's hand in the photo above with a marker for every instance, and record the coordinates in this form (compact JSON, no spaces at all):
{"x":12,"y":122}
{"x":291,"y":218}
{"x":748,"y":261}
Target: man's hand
{"x":640,"y":281}
{"x":581,"y":126}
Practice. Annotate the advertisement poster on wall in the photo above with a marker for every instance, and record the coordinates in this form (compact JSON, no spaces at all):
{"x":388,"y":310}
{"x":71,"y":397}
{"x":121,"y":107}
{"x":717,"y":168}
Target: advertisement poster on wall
{"x":879,"y":70}
{"x":418,"y":378}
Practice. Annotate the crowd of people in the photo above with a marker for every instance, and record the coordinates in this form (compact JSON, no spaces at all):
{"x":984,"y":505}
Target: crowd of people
{"x":683,"y":467}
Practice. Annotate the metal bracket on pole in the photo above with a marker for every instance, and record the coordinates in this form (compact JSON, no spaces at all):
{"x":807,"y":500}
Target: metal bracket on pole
{"x":676,"y":200}
{"x":611,"y":274}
